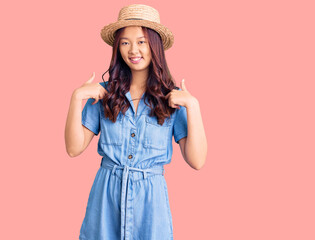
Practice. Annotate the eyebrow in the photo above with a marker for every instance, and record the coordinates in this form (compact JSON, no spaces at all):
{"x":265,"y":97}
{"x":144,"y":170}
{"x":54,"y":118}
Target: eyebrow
{"x":128,"y":39}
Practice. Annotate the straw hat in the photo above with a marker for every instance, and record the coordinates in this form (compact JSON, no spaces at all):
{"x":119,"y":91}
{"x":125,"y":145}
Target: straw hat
{"x":138,"y":15}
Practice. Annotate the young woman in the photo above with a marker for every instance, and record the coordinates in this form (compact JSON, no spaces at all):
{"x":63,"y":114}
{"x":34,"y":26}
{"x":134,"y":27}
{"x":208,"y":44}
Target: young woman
{"x":136,"y":112}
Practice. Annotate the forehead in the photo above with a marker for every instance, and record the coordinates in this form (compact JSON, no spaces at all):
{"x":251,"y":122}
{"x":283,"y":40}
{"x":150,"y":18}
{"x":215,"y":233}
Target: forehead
{"x":132,"y":32}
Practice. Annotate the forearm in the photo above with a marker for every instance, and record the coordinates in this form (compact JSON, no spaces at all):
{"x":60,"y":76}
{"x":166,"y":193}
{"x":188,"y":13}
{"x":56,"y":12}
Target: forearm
{"x":74,"y":135}
{"x":196,"y":142}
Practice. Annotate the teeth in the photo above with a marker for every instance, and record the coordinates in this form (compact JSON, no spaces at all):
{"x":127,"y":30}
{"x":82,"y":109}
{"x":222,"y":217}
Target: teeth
{"x":135,"y":59}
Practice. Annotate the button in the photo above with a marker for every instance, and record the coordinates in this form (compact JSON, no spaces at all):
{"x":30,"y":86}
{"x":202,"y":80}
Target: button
{"x":130,"y":156}
{"x":133,"y":134}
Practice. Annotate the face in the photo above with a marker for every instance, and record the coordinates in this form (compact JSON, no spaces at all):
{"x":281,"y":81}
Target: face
{"x":133,"y":45}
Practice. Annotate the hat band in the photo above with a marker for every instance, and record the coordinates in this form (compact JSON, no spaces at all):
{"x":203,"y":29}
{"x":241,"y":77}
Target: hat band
{"x":134,"y":19}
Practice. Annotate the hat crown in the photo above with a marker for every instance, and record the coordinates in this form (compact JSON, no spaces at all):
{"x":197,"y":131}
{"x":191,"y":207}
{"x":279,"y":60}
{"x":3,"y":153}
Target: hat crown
{"x":139,"y":11}
{"x":138,"y":15}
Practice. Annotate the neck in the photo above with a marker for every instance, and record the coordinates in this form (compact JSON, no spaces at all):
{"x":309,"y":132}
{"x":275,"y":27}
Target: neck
{"x":139,"y":80}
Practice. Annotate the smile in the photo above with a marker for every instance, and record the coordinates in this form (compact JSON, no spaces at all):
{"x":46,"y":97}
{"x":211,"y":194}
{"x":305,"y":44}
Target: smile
{"x":135,"y":60}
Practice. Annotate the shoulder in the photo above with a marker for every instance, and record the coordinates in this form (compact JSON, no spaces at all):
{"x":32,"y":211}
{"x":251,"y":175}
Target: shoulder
{"x":104,"y":84}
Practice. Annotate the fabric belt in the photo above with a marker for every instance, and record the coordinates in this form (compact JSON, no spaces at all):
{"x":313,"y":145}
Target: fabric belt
{"x":109,"y":164}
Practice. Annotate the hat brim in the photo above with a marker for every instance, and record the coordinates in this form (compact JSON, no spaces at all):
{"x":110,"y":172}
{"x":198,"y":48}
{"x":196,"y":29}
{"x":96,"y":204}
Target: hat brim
{"x":108,"y":32}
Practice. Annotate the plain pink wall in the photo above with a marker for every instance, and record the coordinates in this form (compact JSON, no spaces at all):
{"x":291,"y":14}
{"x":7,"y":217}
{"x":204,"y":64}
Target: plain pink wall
{"x":249,"y":63}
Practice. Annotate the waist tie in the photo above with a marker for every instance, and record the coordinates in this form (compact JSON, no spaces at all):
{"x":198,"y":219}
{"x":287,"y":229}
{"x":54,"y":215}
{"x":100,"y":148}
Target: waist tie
{"x":124,"y":187}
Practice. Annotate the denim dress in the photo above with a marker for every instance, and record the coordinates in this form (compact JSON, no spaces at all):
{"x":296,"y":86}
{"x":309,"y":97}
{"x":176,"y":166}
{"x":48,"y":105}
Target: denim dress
{"x":129,"y":197}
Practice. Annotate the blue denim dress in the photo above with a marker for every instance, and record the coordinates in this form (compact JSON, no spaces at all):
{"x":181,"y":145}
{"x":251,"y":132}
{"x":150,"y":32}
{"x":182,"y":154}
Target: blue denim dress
{"x":129,"y":198}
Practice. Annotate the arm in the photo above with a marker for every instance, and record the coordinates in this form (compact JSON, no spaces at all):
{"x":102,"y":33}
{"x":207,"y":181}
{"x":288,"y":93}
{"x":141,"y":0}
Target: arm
{"x":188,"y":128}
{"x":77,"y":137}
{"x":82,"y":126}
{"x":194,"y":146}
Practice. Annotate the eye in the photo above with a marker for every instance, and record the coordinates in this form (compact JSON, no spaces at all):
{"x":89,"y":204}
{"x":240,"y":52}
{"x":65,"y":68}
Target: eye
{"x":123,"y":43}
{"x":142,"y":41}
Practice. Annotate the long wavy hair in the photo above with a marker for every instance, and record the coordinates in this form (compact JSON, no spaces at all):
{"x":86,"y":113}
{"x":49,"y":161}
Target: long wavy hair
{"x":159,"y":82}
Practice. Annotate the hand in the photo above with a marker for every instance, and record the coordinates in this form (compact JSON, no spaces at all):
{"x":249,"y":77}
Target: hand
{"x":91,"y":90}
{"x":179,"y":97}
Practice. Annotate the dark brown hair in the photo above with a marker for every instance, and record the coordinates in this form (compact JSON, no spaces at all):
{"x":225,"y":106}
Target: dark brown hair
{"x":159,"y":82}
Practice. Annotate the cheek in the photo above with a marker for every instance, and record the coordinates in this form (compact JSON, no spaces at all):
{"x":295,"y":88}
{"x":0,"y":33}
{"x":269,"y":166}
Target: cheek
{"x":122,"y":52}
{"x":124,"y":56}
{"x":148,"y":54}
{"x":150,"y":57}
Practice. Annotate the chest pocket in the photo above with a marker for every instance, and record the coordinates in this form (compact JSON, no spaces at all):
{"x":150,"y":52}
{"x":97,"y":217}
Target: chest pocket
{"x":156,"y":136}
{"x":111,"y":133}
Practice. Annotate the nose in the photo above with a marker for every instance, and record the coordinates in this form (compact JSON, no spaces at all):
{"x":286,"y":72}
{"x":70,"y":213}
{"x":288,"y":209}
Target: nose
{"x":133,"y":49}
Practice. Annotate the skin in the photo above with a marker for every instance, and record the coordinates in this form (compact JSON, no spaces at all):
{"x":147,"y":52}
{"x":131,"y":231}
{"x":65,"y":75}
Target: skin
{"x":194,"y":146}
{"x":134,"y":44}
{"x":77,"y":137}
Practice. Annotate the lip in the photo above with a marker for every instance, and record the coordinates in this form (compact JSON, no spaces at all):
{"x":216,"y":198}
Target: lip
{"x":135,"y":62}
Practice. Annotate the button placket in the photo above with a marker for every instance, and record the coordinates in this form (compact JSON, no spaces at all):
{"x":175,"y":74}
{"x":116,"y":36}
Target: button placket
{"x":132,"y":145}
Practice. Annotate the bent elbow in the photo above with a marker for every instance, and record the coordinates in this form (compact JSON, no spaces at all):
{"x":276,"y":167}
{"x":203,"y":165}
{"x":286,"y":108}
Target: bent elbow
{"x":73,"y":154}
{"x":200,"y":166}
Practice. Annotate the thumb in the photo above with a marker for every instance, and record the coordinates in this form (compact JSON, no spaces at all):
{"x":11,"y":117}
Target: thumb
{"x":183,"y":85}
{"x":91,"y":78}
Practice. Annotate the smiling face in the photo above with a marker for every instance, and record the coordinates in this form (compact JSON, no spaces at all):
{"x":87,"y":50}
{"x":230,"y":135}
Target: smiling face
{"x":134,"y":49}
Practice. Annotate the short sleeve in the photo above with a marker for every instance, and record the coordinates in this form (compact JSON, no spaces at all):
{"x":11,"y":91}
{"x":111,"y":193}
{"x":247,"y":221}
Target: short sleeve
{"x":180,"y":124}
{"x":91,"y":116}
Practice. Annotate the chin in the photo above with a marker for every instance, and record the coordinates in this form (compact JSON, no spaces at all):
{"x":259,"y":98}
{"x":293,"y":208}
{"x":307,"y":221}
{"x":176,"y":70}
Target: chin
{"x":138,"y":68}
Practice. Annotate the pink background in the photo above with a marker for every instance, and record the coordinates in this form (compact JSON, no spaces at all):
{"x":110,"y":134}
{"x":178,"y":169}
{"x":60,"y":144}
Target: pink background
{"x":249,"y":63}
